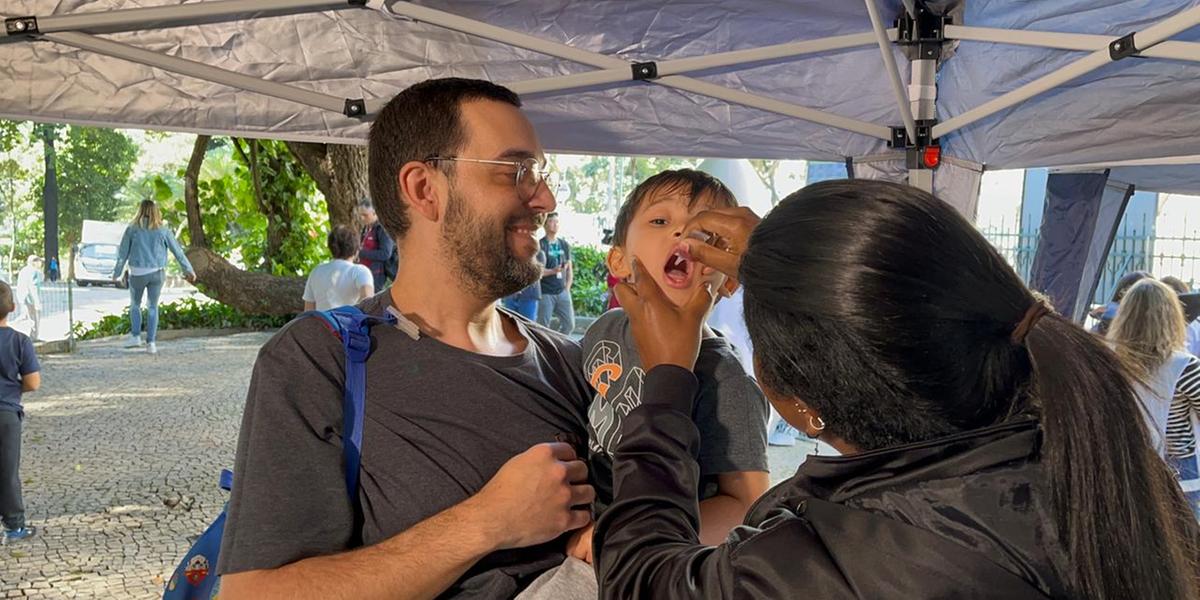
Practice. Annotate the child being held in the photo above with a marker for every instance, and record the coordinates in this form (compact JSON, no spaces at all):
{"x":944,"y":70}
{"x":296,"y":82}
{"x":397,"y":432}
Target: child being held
{"x":731,"y":412}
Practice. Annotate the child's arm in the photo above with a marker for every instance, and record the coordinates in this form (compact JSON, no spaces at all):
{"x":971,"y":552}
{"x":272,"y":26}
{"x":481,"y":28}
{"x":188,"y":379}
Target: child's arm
{"x":735,"y":493}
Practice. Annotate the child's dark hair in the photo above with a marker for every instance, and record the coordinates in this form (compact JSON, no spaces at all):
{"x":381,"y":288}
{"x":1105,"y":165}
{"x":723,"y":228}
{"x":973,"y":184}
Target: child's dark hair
{"x":699,"y":185}
{"x":6,"y":301}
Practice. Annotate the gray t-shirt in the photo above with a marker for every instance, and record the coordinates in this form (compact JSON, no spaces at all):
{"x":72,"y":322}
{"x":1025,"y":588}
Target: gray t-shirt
{"x":439,"y":423}
{"x":731,"y":413}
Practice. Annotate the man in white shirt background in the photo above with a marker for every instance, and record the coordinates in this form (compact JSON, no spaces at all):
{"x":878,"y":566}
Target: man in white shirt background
{"x":340,"y":281}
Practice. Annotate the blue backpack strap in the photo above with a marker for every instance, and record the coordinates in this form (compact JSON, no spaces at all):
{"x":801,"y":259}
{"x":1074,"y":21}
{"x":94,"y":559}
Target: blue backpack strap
{"x":353,"y":327}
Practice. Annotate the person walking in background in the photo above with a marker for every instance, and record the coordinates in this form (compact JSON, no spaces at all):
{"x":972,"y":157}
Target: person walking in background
{"x":29,"y":293}
{"x":1149,"y":334}
{"x":525,"y":302}
{"x":18,"y":374}
{"x":144,"y":246}
{"x":557,"y":275}
{"x":1193,"y":328}
{"x":376,"y":250}
{"x":1105,"y":314}
{"x":339,"y":282}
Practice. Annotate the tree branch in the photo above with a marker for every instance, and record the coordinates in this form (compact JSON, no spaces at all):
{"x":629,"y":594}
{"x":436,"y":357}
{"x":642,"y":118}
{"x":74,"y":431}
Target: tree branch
{"x":191,"y":192}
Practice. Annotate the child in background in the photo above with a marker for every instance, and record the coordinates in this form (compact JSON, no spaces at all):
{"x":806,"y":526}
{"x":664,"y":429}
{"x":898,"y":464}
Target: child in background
{"x":18,"y":374}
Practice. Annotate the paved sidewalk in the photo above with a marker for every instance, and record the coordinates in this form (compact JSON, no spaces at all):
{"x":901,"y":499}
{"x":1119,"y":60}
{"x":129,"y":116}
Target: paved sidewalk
{"x":120,"y":462}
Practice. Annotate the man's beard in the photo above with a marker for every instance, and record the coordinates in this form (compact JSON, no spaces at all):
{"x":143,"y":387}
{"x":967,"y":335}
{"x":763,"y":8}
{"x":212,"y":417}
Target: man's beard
{"x":484,"y":262}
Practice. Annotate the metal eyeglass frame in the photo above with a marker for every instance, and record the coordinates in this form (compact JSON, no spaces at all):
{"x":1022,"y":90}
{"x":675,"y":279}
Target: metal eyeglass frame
{"x":528,"y":165}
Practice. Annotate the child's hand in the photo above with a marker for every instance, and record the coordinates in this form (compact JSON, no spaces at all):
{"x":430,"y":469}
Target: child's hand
{"x":579,"y":545}
{"x":665,"y":334}
{"x":732,"y":227}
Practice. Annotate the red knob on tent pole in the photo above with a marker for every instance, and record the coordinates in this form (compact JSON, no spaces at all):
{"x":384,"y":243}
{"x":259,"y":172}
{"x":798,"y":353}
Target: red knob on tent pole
{"x":932,"y":157}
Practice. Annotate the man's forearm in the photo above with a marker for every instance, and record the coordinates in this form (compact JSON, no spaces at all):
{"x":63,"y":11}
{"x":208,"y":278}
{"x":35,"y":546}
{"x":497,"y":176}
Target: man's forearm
{"x":419,"y":563}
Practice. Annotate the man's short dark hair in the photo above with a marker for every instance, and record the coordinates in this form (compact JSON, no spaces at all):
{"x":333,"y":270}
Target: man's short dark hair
{"x":422,"y":121}
{"x":698,"y":185}
{"x":343,"y":242}
{"x":6,"y":300}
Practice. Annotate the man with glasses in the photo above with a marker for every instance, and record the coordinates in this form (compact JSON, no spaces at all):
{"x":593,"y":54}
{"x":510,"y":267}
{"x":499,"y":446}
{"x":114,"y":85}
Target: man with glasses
{"x":466,"y":487}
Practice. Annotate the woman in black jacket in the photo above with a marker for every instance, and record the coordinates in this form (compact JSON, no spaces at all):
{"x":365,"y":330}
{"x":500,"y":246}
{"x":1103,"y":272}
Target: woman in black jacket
{"x":991,"y":448}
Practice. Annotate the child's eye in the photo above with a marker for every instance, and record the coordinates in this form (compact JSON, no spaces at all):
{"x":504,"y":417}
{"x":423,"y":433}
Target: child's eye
{"x":658,"y":221}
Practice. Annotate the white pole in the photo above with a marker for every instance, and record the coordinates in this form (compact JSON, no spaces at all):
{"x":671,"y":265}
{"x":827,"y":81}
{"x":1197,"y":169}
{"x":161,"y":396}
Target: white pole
{"x":181,"y":14}
{"x":1193,"y":159}
{"x":889,"y":64}
{"x":1143,"y":39}
{"x":1189,"y":51}
{"x":198,"y":70}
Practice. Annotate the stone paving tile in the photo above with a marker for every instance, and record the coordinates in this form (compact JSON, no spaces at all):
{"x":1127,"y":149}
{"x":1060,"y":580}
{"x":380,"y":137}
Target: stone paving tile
{"x":120,"y":462}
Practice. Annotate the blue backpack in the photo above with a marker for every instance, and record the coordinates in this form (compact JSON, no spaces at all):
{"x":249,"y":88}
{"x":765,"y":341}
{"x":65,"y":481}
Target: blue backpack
{"x":195,"y":578}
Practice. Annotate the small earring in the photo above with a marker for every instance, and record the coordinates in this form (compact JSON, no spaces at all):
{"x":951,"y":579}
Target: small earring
{"x":814,"y":425}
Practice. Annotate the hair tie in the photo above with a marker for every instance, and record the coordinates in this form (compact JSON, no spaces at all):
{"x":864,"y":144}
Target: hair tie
{"x":1036,"y":311}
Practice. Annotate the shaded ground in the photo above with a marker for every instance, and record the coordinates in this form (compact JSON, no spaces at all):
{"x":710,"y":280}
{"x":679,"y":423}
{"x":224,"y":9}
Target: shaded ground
{"x":121,"y":457}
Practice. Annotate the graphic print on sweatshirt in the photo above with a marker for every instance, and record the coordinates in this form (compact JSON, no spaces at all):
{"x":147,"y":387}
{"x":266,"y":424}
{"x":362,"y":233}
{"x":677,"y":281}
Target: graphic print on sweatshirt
{"x":618,"y":391}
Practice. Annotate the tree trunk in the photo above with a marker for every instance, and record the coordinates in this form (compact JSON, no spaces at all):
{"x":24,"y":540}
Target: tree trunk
{"x":251,"y":293}
{"x":191,"y":192}
{"x":341,"y":174}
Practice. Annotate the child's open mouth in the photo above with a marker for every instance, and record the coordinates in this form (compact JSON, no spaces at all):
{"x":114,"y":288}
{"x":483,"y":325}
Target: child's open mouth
{"x":678,"y":270}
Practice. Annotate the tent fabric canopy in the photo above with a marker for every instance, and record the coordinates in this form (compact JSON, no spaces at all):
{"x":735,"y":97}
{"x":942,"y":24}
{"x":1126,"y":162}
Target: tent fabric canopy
{"x":1141,"y":107}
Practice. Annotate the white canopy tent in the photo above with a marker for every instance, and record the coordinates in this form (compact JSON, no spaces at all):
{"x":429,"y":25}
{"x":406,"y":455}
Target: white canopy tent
{"x":890,"y":88}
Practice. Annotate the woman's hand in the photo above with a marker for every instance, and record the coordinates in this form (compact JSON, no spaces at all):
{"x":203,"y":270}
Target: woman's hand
{"x":665,"y":334}
{"x":732,"y":227}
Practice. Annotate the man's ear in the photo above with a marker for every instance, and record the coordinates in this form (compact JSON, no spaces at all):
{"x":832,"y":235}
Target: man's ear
{"x":416,"y":183}
{"x":618,"y":263}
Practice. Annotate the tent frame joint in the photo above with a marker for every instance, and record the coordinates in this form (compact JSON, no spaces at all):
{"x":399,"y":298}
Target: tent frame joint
{"x":923,"y":153}
{"x":926,"y":32}
{"x":21,"y":25}
{"x":1123,"y":47}
{"x":644,"y":71}
{"x":356,"y":108}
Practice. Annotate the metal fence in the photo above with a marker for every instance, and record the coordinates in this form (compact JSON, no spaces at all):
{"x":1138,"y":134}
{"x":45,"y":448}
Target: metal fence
{"x":1135,"y":248}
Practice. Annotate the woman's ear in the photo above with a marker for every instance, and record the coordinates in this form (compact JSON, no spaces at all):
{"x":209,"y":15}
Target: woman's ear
{"x":416,"y":182}
{"x":618,"y":263}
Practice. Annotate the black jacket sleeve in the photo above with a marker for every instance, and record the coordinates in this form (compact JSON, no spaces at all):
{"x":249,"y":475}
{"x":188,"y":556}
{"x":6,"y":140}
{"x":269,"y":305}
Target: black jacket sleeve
{"x":646,"y":543}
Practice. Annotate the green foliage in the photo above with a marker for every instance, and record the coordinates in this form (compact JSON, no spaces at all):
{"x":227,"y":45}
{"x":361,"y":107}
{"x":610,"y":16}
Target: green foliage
{"x":187,"y":313}
{"x":599,"y":184}
{"x":589,"y":291}
{"x":93,"y":166}
{"x":235,"y":218}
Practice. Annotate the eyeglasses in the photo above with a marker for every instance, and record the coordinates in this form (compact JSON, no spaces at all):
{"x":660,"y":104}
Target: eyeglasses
{"x":530,"y":173}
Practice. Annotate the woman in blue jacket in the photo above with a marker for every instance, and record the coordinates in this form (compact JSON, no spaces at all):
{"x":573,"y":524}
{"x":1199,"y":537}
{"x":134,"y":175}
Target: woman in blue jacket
{"x":145,"y":246}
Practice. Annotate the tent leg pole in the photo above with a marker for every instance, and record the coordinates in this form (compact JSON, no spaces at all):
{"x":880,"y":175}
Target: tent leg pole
{"x":922,"y":93}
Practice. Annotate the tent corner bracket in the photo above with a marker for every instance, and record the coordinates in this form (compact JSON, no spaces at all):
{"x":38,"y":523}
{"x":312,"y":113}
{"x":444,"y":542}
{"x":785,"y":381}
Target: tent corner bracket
{"x":926,"y":32}
{"x":923,"y":153}
{"x":644,"y":71}
{"x":21,"y":25}
{"x":1123,"y":47}
{"x":356,"y":108}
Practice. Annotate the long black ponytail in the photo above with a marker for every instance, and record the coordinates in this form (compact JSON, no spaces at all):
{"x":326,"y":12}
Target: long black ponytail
{"x":888,"y":312}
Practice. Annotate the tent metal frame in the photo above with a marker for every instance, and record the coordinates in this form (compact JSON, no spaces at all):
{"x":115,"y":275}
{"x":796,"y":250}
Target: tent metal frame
{"x":919,"y":103}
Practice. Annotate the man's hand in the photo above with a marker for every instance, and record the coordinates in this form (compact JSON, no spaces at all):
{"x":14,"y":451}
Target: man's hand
{"x":190,"y":277}
{"x":665,"y":334}
{"x":532,"y":498}
{"x":580,"y":544}
{"x":732,"y":227}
